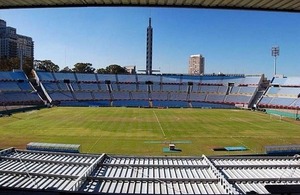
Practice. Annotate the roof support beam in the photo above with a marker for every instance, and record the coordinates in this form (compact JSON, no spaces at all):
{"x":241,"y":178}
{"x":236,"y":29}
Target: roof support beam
{"x":44,"y":161}
{"x":202,"y":180}
{"x":265,"y":5}
{"x":153,"y":166}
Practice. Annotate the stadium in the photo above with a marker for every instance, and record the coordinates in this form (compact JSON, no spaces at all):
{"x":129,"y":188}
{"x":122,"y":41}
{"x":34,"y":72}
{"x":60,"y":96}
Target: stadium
{"x":221,"y":116}
{"x":90,"y":133}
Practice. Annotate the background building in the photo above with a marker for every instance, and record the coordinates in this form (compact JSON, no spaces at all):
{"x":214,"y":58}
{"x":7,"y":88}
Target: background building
{"x":130,"y":69}
{"x":13,"y":45}
{"x":196,"y":64}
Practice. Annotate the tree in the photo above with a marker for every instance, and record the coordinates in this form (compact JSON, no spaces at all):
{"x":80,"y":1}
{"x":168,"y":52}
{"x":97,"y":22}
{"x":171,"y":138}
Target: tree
{"x":101,"y":71}
{"x":28,"y":66}
{"x":46,"y":65}
{"x":66,"y":69}
{"x":115,"y":69}
{"x":84,"y":68}
{"x":8,"y":64}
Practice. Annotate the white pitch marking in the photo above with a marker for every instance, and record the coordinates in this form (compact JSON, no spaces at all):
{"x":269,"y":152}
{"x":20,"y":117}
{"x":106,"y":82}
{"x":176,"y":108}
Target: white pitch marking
{"x":94,"y":144}
{"x":162,"y":130}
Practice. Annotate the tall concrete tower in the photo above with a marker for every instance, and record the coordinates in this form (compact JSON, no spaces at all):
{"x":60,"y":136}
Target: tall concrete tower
{"x":196,"y":64}
{"x":149,"y":49}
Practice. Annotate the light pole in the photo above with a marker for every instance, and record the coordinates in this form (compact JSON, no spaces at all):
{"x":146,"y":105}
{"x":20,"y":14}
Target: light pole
{"x":275,"y":53}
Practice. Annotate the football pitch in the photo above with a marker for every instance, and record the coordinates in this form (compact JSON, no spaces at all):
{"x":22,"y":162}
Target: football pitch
{"x":142,"y":131}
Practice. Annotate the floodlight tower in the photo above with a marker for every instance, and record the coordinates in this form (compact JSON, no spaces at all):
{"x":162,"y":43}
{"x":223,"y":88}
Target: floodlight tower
{"x":275,"y":53}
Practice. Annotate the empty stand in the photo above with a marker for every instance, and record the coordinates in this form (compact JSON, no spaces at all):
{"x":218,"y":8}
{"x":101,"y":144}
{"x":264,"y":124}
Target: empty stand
{"x":168,"y":87}
{"x":59,"y":76}
{"x":128,"y":87}
{"x":15,"y":89}
{"x":178,"y":96}
{"x":107,"y":77}
{"x":128,"y":78}
{"x":178,"y":90}
{"x":283,"y":93}
{"x":140,"y":95}
{"x":159,"y":95}
{"x":120,"y":95}
{"x":86,"y":77}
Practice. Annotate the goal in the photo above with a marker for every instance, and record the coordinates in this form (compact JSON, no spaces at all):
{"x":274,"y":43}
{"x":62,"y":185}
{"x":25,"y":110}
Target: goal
{"x":275,"y":117}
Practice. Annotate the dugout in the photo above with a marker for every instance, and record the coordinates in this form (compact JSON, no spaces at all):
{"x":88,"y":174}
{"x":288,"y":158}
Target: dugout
{"x":282,"y":150}
{"x":53,"y":147}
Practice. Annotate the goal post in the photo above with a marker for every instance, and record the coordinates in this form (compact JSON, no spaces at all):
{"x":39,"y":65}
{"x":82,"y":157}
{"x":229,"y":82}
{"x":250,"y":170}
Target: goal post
{"x":275,"y":117}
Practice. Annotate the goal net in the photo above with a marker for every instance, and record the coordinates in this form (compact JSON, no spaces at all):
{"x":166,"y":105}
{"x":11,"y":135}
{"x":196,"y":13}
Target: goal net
{"x":275,"y":117}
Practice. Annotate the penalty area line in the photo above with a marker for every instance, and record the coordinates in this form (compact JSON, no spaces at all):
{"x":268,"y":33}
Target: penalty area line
{"x":162,"y":130}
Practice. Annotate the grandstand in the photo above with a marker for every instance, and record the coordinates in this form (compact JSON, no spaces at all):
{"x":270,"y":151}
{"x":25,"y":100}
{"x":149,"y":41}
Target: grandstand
{"x":27,"y":171}
{"x":283,"y":93}
{"x":81,"y":89}
{"x":55,"y":173}
{"x":16,"y":91}
{"x":178,"y":91}
{"x":149,"y":90}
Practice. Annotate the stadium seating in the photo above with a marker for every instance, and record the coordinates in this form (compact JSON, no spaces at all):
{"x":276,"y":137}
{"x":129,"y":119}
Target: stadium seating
{"x":102,"y":95}
{"x":15,"y":89}
{"x":282,"y":93}
{"x":290,"y":81}
{"x":12,"y":76}
{"x":142,"y":87}
{"x":178,"y":90}
{"x":130,"y":103}
{"x":85,"y":77}
{"x":159,"y":95}
{"x":61,"y":96}
{"x":127,"y":87}
{"x":107,"y":77}
{"x":127,"y":78}
{"x":89,"y":86}
{"x":183,"y":87}
{"x":156,"y":87}
{"x":170,"y":104}
{"x":121,"y":95}
{"x":140,"y":95}
{"x":197,"y":97}
{"x":51,"y":86}
{"x":9,"y":86}
{"x":59,"y":76}
{"x":178,"y":96}
{"x":168,"y":87}
{"x":210,"y":105}
{"x":237,"y":99}
{"x":81,"y":95}
{"x":144,"y":90}
{"x":153,"y":78}
{"x":215,"y":98}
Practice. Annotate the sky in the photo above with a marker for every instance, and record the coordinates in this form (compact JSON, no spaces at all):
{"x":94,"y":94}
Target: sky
{"x":232,"y":41}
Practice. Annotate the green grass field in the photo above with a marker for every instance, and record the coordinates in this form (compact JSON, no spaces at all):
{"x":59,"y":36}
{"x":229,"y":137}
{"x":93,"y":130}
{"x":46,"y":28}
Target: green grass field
{"x":139,"y":131}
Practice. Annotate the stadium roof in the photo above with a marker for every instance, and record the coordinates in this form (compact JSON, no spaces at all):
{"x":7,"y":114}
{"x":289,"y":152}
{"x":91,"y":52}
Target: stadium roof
{"x":36,"y":171}
{"x":272,"y":5}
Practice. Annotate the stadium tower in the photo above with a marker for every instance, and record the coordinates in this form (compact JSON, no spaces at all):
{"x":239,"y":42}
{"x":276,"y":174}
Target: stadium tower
{"x":149,"y":49}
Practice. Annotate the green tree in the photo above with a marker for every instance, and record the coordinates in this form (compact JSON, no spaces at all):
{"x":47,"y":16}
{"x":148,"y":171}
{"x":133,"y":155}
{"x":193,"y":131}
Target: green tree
{"x":115,"y":69}
{"x":66,"y":69}
{"x":83,"y":68}
{"x":28,"y":66}
{"x":101,"y":71}
{"x":8,"y":64}
{"x":46,"y":65}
